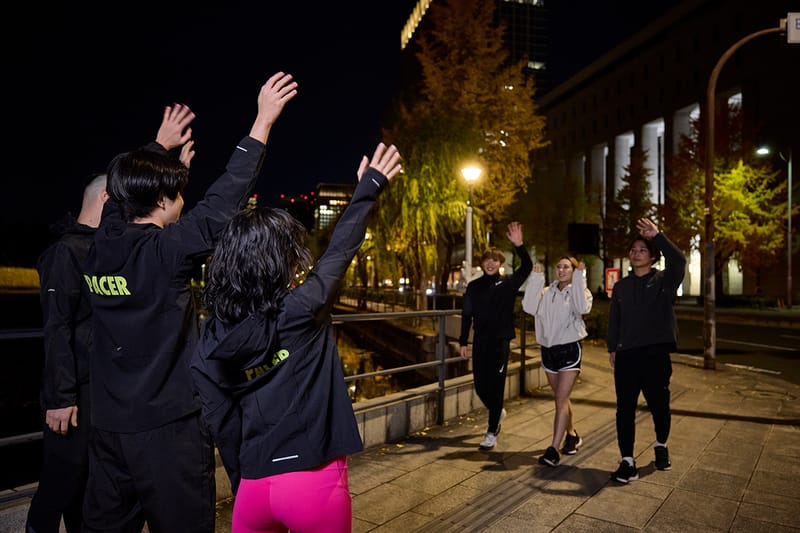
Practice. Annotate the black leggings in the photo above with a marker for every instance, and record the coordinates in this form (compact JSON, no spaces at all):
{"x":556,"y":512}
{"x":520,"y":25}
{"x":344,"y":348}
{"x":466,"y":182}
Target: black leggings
{"x":647,"y":370}
{"x":489,"y":368}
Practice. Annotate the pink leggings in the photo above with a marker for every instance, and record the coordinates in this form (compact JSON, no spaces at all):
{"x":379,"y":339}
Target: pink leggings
{"x":315,"y":500}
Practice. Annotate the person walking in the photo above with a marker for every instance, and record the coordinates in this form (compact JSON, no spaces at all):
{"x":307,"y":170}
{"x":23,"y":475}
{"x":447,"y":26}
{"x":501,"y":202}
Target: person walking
{"x":488,"y":309}
{"x":558,"y":311}
{"x":268,"y":370}
{"x":642,"y":332}
{"x":64,"y":395}
{"x":151,"y":456}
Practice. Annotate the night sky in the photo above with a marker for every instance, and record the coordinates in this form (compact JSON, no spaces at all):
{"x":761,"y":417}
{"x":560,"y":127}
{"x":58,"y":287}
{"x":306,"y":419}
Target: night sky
{"x":85,"y":83}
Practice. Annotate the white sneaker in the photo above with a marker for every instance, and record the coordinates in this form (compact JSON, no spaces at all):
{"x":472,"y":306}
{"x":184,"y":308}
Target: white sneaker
{"x":488,"y":442}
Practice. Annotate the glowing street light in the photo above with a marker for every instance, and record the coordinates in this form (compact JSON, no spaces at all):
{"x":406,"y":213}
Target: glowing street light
{"x":471,"y":174}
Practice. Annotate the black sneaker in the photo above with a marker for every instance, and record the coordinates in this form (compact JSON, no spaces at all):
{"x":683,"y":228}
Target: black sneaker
{"x":571,"y":444}
{"x":625,"y":472}
{"x":550,"y":457}
{"x":662,"y":458}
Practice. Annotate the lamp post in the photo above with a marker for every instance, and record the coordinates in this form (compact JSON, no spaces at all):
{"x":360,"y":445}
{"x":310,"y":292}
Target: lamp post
{"x":709,"y":265}
{"x":471,"y":174}
{"x":764,"y":151}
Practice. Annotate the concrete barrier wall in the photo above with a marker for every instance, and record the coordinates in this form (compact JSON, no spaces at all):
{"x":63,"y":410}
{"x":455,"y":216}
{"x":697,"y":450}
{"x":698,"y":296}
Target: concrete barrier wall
{"x":393,"y":417}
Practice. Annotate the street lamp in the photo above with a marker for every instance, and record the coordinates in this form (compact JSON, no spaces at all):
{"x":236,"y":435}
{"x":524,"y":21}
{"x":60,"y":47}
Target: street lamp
{"x":788,"y":159}
{"x":709,"y":266}
{"x":471,"y":174}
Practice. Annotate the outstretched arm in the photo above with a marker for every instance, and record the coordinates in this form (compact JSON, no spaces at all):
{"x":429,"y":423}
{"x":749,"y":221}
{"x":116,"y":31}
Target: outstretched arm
{"x":274,"y":94}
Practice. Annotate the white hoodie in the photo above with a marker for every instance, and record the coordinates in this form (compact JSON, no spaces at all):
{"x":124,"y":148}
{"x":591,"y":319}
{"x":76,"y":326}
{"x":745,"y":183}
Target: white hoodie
{"x":557,"y":313}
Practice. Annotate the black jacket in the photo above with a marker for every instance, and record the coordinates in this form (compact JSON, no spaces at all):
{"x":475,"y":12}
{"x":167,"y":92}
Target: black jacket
{"x":489,"y":303}
{"x":145,"y":322}
{"x":641,"y":312}
{"x":66,"y":314}
{"x":273,"y":390}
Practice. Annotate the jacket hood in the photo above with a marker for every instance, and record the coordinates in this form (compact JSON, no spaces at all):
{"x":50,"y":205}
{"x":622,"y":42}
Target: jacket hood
{"x":240,"y":356}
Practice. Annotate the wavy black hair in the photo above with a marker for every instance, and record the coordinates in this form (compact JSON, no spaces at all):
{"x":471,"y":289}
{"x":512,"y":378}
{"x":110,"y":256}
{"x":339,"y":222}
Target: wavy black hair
{"x":260,"y":252}
{"x":137,"y":180}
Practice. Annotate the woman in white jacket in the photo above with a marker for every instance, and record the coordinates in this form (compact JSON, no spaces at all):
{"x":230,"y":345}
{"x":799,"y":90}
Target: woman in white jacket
{"x":557,"y":310}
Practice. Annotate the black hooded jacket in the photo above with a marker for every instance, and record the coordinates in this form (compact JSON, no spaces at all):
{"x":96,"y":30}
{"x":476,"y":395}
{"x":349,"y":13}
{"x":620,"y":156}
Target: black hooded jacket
{"x":144,"y":317}
{"x":641,"y":311}
{"x":273,"y":389}
{"x":66,"y":313}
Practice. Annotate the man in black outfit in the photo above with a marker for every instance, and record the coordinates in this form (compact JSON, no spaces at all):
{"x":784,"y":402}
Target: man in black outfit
{"x":151,"y":456}
{"x":64,"y":397}
{"x":642,"y":332}
{"x":489,"y":309}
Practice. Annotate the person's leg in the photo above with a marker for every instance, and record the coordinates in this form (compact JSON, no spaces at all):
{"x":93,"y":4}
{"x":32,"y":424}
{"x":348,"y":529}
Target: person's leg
{"x":110,"y":502}
{"x":62,"y":482}
{"x":173,"y":468}
{"x":655,"y":388}
{"x":627,"y":387}
{"x":496,"y":384}
{"x":481,"y":371}
{"x":562,"y":384}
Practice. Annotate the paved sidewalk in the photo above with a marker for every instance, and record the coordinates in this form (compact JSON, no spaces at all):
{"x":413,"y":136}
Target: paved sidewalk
{"x":735,"y":451}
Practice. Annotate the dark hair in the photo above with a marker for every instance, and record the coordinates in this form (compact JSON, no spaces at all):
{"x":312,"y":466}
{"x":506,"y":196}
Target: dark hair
{"x":572,"y":261}
{"x":655,"y":253}
{"x":260,"y":252}
{"x":494,"y":253}
{"x":137,"y":180}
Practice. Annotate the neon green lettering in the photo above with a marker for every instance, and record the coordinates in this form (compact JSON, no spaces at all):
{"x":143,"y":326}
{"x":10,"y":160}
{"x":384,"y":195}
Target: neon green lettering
{"x":94,"y":285}
{"x":88,"y":282}
{"x":122,"y":285}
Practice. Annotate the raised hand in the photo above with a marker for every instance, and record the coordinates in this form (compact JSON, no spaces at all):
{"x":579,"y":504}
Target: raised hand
{"x":384,"y":160}
{"x":174,"y":130}
{"x":515,"y":233}
{"x":646,"y":228}
{"x":274,"y":94}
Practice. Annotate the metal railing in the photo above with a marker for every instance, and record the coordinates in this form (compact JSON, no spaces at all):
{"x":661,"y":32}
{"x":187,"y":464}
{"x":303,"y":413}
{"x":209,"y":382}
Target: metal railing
{"x":441,"y":361}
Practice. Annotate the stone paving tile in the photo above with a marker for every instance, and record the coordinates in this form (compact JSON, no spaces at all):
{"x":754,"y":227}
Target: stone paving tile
{"x":727,"y":463}
{"x":786,"y":464}
{"x":771,"y":515}
{"x":578,"y":523}
{"x":445,"y":502}
{"x":790,"y":501}
{"x":406,"y":522}
{"x":743,"y":524}
{"x":364,"y":475}
{"x":773,"y":482}
{"x":698,"y":508}
{"x":605,"y":505}
{"x":385,"y":502}
{"x":717,"y":483}
{"x":548,"y":508}
{"x":432,"y":479}
{"x":677,"y":524}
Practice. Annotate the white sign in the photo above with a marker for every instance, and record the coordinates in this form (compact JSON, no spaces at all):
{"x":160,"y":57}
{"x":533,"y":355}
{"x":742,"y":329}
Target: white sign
{"x":793,"y":28}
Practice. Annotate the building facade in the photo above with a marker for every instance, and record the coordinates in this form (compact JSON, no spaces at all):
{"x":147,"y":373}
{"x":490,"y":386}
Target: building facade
{"x":646,"y":93}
